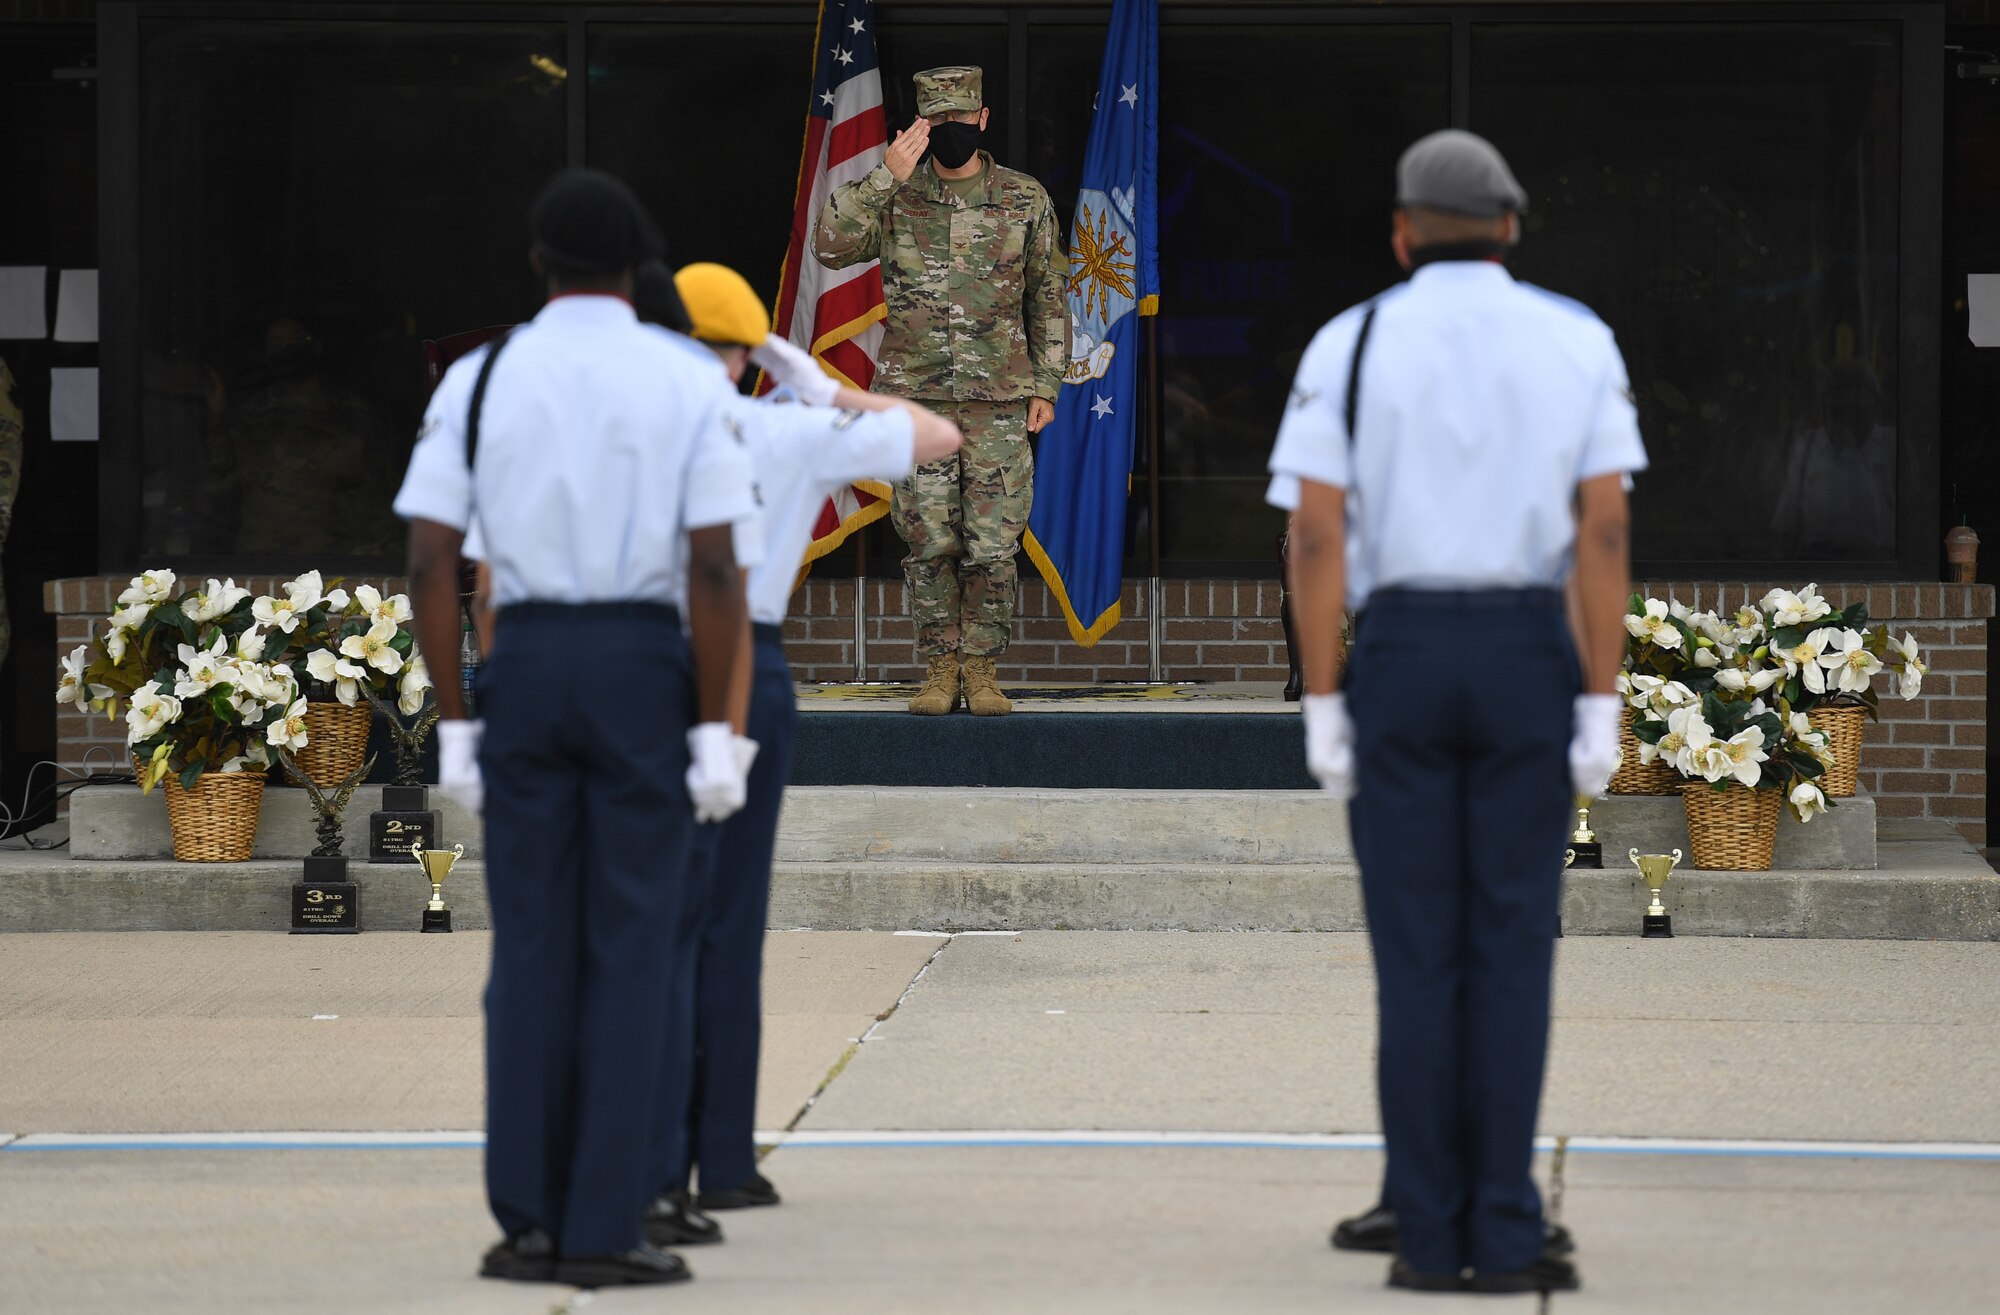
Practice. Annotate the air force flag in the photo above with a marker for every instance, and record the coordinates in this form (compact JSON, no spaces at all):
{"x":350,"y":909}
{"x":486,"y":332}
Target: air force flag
{"x":1083,"y":470}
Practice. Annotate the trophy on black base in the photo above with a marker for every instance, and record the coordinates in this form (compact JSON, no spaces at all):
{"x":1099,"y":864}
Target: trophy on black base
{"x":437,"y":866}
{"x":406,"y":819}
{"x":1656,"y":868}
{"x":1583,"y":842}
{"x":325,"y":900}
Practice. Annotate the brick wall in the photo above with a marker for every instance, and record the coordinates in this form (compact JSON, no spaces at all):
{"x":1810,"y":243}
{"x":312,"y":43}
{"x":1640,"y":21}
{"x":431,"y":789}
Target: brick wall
{"x":1216,"y":630}
{"x":1925,"y":758}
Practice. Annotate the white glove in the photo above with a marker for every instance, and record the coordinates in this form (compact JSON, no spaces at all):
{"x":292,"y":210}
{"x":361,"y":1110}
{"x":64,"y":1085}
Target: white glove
{"x":715,"y":779}
{"x":1329,"y":743}
{"x":746,"y":756}
{"x":1593,"y":745}
{"x":458,"y":764}
{"x":784,"y":361}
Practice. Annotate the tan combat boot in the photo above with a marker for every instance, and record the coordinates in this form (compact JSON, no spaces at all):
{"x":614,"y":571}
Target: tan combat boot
{"x":940,"y":692}
{"x":982,"y":689}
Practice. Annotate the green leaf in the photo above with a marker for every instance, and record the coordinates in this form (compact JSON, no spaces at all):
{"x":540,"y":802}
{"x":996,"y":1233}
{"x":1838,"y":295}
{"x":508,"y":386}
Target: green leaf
{"x":1789,"y":637}
{"x":1635,"y":605}
{"x":189,"y":776}
{"x":1856,"y":616}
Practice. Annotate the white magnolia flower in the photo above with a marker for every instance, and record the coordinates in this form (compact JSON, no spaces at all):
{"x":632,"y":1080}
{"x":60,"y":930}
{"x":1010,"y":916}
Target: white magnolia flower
{"x":114,"y":646}
{"x":1714,"y":627}
{"x":1740,"y":756}
{"x":1813,"y":605}
{"x":337,"y":601}
{"x":149,"y":588}
{"x":1739,"y":680}
{"x":306,"y":592}
{"x":1679,"y":611}
{"x":1804,"y":657}
{"x":289,"y":731}
{"x":1707,"y":658}
{"x":1652,"y":624}
{"x":1911,"y":670}
{"x":250,"y":644}
{"x":395,"y":609}
{"x":1687,"y":734}
{"x":256,"y":756}
{"x":1749,"y":621}
{"x":415,"y":684}
{"x":202,"y":668}
{"x":1808,"y":801}
{"x":376,"y":648}
{"x":71,"y":687}
{"x":219,"y":598}
{"x":151,"y":712}
{"x":345,"y":677}
{"x":130,"y":617}
{"x":279,"y":613}
{"x":1850,"y":666}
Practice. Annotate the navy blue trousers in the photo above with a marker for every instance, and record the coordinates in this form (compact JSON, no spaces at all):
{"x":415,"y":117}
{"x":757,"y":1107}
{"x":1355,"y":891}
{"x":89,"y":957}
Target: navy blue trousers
{"x":718,"y":1019}
{"x":588,"y":826}
{"x":1462,"y":708}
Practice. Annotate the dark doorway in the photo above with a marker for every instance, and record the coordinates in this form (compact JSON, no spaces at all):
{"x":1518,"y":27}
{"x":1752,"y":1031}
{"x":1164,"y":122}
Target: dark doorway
{"x":48,"y":175}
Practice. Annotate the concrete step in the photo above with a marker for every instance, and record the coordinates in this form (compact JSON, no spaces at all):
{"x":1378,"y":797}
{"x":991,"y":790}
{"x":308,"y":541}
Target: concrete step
{"x":1932,"y":885}
{"x":870,"y":824}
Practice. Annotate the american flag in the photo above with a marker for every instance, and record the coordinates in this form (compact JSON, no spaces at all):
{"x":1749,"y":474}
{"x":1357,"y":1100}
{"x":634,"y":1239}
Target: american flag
{"x":837,"y":314}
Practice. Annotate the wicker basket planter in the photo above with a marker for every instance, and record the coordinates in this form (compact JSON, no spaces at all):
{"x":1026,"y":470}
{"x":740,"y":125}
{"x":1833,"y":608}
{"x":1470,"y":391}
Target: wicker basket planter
{"x":1843,"y":724}
{"x":1731,"y":829}
{"x":1635,"y":777}
{"x":216,"y":822}
{"x":336,"y":742}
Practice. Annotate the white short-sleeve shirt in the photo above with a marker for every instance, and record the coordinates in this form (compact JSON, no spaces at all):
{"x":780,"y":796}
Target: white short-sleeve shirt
{"x":1483,"y":404}
{"x":600,"y":446}
{"x":804,"y":455}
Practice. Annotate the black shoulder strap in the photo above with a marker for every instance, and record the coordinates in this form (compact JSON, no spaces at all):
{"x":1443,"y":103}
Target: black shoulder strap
{"x":1353,"y":370}
{"x":479,"y":398}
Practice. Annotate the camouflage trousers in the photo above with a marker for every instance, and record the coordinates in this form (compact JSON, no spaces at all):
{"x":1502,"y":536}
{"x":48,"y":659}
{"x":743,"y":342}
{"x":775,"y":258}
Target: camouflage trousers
{"x":962,"y":519}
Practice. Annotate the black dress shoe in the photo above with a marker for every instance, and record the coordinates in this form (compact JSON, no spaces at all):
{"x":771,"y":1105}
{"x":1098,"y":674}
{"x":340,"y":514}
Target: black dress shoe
{"x":1547,"y":1274}
{"x":758,"y":1191}
{"x":527,"y":1258}
{"x":1415,"y":1280}
{"x":1376,"y":1231}
{"x":642,"y":1265}
{"x":1373,"y":1231}
{"x":673,"y":1221}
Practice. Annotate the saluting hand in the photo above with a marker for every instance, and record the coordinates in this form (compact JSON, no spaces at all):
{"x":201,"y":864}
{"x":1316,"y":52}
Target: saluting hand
{"x":907,"y":149}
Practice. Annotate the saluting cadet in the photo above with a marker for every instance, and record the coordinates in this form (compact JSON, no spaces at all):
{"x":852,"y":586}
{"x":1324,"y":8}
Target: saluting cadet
{"x":1454,"y":451}
{"x":606,"y":486}
{"x":803,"y":453}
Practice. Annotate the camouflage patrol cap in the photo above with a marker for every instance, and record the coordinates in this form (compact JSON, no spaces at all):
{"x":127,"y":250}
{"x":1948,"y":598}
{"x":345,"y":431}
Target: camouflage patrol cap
{"x":1459,"y":172}
{"x":949,"y":90}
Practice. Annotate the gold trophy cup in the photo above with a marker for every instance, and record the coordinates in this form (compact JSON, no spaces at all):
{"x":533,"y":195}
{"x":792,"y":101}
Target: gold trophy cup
{"x":1583,"y":841}
{"x":437,"y":865}
{"x":1655,"y":868}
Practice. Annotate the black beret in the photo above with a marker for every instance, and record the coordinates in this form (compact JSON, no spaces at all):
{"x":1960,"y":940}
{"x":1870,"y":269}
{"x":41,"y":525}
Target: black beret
{"x":658,"y":301}
{"x":590,"y":223}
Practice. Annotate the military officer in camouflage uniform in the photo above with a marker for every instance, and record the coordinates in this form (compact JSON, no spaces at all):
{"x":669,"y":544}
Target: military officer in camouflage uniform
{"x":978,"y":331}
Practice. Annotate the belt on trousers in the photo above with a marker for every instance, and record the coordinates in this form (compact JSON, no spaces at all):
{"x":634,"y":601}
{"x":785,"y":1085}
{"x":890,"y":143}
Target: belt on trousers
{"x":767,"y":633}
{"x":619,"y":611}
{"x":1399,"y":598}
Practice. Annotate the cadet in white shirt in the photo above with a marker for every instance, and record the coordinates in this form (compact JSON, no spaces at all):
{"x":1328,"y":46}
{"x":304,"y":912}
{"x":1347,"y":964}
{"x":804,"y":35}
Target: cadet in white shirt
{"x":1455,"y":452}
{"x":605,"y":484}
{"x":804,"y":451}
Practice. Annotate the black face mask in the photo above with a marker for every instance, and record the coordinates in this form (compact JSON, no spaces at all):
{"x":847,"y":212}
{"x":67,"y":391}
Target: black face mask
{"x":952,"y":143}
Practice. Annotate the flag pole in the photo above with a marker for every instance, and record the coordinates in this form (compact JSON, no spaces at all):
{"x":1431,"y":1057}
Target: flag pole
{"x":1156,"y":624}
{"x":860,"y":604}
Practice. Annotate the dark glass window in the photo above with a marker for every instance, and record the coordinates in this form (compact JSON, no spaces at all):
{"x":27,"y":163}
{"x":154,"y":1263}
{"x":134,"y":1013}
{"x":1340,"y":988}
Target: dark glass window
{"x":720,"y":183}
{"x":1726,"y":197}
{"x":317,"y":200}
{"x":1274,"y":217}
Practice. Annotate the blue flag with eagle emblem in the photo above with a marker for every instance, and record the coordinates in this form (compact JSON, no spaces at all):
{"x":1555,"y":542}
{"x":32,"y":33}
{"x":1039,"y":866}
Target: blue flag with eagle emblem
{"x":1083,"y":468}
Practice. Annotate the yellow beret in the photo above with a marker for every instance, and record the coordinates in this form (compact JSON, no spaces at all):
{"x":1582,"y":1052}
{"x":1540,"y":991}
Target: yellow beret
{"x":722,"y":305}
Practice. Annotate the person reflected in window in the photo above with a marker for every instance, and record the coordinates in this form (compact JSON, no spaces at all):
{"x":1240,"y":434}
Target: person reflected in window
{"x":300,"y":463}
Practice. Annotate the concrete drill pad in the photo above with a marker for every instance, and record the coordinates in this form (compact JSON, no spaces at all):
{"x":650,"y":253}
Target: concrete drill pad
{"x":990,"y":1231}
{"x":164,"y":1032}
{"x":1277,"y":1033}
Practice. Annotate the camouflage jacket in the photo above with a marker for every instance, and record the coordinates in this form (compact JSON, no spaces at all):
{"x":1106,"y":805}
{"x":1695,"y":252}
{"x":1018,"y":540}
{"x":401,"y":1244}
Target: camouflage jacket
{"x":977,"y":304}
